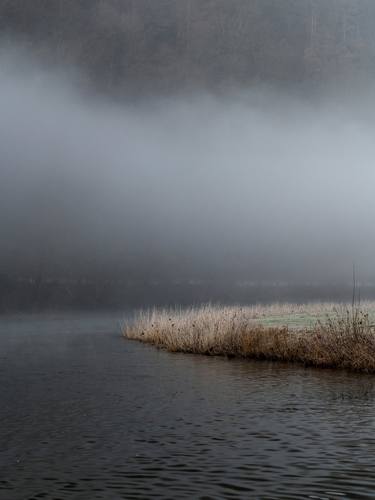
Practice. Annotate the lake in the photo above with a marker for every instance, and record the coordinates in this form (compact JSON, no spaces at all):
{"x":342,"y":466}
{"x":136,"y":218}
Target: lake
{"x":85,"y":414}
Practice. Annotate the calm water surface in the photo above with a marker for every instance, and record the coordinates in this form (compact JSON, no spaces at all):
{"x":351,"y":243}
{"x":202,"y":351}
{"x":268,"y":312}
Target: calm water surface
{"x":85,"y":414}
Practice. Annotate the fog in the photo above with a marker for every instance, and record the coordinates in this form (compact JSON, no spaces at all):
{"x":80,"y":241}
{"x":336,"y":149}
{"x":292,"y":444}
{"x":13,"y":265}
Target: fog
{"x":245,"y":185}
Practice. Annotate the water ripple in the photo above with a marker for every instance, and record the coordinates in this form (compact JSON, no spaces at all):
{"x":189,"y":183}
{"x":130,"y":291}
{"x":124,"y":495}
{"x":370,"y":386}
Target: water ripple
{"x":86,"y":415}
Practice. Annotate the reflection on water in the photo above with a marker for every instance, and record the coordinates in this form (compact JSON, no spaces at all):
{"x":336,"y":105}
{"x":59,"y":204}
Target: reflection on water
{"x":86,"y":415}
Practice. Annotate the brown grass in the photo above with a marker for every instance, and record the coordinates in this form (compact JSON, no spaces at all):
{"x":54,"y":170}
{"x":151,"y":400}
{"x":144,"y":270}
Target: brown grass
{"x":333,"y":336}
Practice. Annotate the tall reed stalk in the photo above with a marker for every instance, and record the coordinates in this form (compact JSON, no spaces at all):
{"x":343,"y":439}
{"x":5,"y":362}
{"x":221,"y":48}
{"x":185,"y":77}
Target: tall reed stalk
{"x":338,"y":337}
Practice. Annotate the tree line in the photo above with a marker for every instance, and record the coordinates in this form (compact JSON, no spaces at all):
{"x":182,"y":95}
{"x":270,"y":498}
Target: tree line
{"x":166,"y":44}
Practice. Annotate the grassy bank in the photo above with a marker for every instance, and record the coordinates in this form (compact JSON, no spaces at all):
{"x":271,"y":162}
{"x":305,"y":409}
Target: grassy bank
{"x":324,"y":335}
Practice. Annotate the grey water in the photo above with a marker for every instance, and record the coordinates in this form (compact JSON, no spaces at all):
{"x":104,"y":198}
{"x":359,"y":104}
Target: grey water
{"x":85,"y":414}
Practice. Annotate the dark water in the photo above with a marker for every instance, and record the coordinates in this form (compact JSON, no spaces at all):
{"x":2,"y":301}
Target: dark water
{"x":87,"y":415}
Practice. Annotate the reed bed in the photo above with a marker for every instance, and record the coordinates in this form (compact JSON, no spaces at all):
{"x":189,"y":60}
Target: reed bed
{"x":327,"y":335}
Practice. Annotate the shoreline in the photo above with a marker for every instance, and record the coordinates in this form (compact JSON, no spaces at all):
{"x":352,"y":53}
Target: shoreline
{"x":317,"y":335}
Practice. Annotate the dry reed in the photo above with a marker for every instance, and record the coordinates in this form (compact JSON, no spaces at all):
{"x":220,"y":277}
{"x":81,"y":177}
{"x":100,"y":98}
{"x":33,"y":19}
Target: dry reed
{"x":333,"y":336}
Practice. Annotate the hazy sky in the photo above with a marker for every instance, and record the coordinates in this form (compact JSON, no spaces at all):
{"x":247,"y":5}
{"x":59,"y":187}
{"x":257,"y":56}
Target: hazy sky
{"x":252,"y":185}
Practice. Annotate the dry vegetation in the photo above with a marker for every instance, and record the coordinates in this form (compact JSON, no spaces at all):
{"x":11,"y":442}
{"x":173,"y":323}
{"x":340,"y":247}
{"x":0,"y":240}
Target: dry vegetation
{"x":326,"y":335}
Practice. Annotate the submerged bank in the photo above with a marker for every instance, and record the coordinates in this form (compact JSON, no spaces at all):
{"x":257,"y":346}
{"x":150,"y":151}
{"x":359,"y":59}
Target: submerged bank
{"x":322,"y":335}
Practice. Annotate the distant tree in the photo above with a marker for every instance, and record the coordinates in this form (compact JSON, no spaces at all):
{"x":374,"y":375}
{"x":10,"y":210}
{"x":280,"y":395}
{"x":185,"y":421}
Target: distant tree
{"x":135,"y":43}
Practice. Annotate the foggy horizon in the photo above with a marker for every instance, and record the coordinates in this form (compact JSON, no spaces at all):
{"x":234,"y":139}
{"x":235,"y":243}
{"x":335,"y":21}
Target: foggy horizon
{"x":187,"y":261}
{"x":253,"y":185}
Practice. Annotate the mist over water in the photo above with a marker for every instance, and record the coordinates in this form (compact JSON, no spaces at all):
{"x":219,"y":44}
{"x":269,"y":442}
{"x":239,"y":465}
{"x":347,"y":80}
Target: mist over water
{"x":174,"y":154}
{"x":248,"y":185}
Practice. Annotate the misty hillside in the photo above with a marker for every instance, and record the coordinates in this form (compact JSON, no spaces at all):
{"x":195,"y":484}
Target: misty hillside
{"x":169,"y":44}
{"x":233,"y":161}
